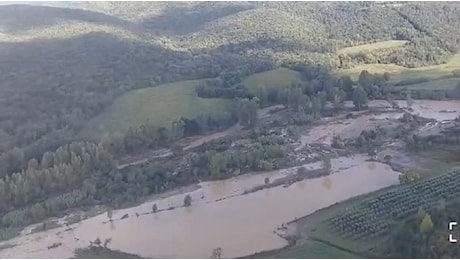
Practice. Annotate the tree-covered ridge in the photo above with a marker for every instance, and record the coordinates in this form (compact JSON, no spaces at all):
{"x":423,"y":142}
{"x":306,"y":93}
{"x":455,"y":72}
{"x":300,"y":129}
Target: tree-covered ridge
{"x":44,"y":106}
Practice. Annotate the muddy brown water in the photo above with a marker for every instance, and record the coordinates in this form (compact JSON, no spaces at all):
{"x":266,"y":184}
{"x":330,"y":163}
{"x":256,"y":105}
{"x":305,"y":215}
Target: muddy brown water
{"x":348,"y":128}
{"x":241,"y":224}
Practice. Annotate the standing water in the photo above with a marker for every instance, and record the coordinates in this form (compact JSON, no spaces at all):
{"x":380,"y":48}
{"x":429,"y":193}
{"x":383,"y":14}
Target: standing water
{"x":240,"y":225}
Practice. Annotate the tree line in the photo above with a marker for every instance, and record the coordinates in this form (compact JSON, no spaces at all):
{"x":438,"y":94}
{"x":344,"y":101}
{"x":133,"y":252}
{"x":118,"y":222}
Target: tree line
{"x":228,"y":83}
{"x":424,"y":235}
{"x":58,"y":181}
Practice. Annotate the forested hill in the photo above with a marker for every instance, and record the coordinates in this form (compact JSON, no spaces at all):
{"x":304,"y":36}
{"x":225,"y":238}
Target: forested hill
{"x":64,"y":63}
{"x":299,"y":31}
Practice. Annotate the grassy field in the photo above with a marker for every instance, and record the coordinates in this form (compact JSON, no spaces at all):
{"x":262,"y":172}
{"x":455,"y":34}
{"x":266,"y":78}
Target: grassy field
{"x":436,"y":160}
{"x":311,"y":249}
{"x":441,"y":84}
{"x":165,"y":103}
{"x":399,"y":73}
{"x":277,"y":78}
{"x":159,"y":105}
{"x":372,"y":46}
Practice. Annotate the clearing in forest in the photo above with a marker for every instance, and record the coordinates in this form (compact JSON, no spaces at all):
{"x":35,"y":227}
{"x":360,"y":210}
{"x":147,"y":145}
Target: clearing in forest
{"x":400,"y":73}
{"x":440,"y":84}
{"x":372,"y":46}
{"x":277,"y":78}
{"x":159,"y":105}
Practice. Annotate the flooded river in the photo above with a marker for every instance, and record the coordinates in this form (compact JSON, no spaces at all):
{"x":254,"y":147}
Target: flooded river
{"x":240,"y":224}
{"x":220,"y":215}
{"x":349,"y":128}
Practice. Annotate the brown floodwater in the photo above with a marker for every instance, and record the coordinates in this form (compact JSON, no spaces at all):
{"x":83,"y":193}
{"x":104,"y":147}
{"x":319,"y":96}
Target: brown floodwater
{"x":349,"y":128}
{"x":240,"y":224}
{"x":436,"y":109}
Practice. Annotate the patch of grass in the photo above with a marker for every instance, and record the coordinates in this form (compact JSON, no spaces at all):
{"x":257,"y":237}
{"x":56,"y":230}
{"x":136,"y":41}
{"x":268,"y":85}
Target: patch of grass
{"x":437,"y":160}
{"x":159,"y":105}
{"x":441,"y":84}
{"x":277,"y":78}
{"x":372,"y":46}
{"x":314,"y":249}
{"x":399,"y":73}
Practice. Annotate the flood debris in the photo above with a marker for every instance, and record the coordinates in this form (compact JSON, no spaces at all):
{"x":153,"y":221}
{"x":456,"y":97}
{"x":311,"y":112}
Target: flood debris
{"x":54,"y":245}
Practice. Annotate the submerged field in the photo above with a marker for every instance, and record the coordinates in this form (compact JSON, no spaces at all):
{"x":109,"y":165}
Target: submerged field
{"x":159,"y":105}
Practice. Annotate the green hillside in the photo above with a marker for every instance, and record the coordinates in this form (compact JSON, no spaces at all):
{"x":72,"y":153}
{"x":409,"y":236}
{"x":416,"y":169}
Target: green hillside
{"x":272,"y":79}
{"x":159,"y":105}
{"x":442,"y":84}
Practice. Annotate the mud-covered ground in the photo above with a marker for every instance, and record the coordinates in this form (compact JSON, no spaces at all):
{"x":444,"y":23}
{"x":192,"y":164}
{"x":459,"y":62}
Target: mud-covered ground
{"x":245,"y":206}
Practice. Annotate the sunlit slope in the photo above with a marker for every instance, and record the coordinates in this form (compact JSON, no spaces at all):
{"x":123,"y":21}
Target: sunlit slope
{"x":278,"y":78}
{"x":399,"y":73}
{"x":159,"y":105}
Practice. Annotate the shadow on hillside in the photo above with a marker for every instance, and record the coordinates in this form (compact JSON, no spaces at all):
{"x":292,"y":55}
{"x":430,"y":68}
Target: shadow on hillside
{"x":179,"y":20}
{"x":14,"y":18}
{"x":56,"y":85}
{"x":46,"y":85}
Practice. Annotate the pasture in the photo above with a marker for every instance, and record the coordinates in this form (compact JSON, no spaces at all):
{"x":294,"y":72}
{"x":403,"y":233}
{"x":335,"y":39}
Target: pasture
{"x":159,"y":105}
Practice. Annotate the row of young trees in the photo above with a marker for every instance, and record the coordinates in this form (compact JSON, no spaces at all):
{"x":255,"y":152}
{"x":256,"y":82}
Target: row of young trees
{"x":58,"y":181}
{"x":56,"y":173}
